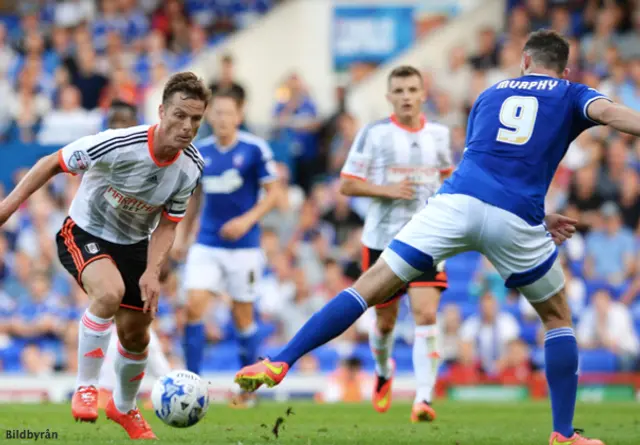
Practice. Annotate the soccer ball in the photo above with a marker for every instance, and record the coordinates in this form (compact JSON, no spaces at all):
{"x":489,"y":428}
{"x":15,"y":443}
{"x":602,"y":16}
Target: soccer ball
{"x":180,"y":398}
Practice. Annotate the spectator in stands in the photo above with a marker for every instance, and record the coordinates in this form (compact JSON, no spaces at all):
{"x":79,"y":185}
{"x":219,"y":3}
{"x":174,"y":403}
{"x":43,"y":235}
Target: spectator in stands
{"x":488,"y":279}
{"x":630,"y":199}
{"x":516,"y":367}
{"x":456,"y":77}
{"x":466,"y":369}
{"x":538,"y":13}
{"x":277,"y":287}
{"x":607,"y":324}
{"x":341,"y":217}
{"x":347,"y":128}
{"x":612,"y":174}
{"x":304,"y":304}
{"x":491,"y":330}
{"x":69,"y":122}
{"x":226,"y":79}
{"x":487,"y":55}
{"x":87,"y":78}
{"x":7,"y":54}
{"x":347,"y":384}
{"x":297,"y":117}
{"x":584,"y":199}
{"x":575,"y":289}
{"x":36,"y":361}
{"x":595,"y":44}
{"x":449,"y":326}
{"x":610,"y":248}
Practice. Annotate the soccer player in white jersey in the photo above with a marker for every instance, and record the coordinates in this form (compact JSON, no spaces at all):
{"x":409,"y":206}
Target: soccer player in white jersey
{"x":400,"y":162}
{"x":226,"y":256}
{"x":518,"y":132}
{"x":124,"y":115}
{"x":135,"y":189}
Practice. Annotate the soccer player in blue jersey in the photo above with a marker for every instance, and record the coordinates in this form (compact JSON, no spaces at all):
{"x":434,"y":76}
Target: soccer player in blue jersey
{"x":226,"y":256}
{"x":518,"y":132}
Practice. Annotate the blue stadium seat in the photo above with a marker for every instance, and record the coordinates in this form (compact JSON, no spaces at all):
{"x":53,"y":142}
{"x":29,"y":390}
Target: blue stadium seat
{"x":529,"y":331}
{"x":598,"y":360}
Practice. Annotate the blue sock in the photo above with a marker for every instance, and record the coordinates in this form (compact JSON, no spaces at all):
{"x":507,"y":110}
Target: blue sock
{"x":248,"y":343}
{"x":561,"y":369}
{"x":332,"y":320}
{"x":194,"y":346}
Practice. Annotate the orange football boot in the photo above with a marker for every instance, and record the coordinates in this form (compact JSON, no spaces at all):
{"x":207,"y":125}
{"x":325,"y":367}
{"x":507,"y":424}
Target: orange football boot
{"x":422,"y":412}
{"x":382,"y":393}
{"x":132,"y":422}
{"x":576,"y":439}
{"x":84,"y":404}
{"x":251,"y":377}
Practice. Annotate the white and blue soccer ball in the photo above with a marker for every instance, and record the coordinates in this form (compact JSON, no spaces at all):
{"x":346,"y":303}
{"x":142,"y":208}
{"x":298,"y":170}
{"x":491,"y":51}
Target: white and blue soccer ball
{"x":180,"y":398}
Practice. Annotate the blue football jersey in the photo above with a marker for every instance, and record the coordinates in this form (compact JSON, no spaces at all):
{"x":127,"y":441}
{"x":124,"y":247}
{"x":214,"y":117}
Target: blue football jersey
{"x":518,"y":132}
{"x":231,"y":183}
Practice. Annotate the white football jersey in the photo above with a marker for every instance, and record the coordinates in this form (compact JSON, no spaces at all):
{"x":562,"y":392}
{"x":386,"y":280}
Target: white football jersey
{"x":124,"y":188}
{"x":385,"y":152}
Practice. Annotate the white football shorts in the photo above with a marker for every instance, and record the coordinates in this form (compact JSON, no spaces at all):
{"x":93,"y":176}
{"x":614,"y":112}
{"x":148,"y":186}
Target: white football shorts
{"x":235,"y":272}
{"x":524,"y":255}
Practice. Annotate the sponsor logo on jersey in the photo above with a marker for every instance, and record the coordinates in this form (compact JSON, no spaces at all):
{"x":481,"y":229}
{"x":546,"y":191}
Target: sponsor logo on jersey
{"x":79,"y":160}
{"x":120,"y":201}
{"x":228,"y":182}
{"x":417,"y":175}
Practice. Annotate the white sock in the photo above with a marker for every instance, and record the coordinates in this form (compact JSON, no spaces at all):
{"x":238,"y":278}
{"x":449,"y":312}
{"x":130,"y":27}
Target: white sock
{"x":107,"y":378}
{"x":158,"y":363}
{"x":381,"y":348}
{"x":130,"y":372}
{"x":426,"y":360}
{"x":93,"y":340}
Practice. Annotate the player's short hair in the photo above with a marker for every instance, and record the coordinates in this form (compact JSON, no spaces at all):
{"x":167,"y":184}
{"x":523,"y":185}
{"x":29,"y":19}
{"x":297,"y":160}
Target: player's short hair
{"x":548,"y":49}
{"x":188,"y":84}
{"x":228,"y":94}
{"x":404,"y":71}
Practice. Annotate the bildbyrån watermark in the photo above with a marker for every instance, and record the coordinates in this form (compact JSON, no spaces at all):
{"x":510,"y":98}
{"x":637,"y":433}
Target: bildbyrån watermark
{"x":32,"y":435}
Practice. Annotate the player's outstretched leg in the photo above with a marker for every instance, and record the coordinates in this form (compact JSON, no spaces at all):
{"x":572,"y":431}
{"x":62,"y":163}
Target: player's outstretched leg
{"x":103,"y":283}
{"x":381,"y":340}
{"x":426,"y":359}
{"x":372,"y":288}
{"x":561,"y":363}
{"x":131,"y":361}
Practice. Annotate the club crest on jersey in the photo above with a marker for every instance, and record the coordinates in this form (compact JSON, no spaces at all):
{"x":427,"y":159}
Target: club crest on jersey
{"x":120,"y":201}
{"x":237,"y":160}
{"x":79,"y":160}
{"x":92,"y":248}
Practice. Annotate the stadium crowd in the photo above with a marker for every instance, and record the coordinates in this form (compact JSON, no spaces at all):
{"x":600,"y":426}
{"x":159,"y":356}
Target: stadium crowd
{"x":61,"y":65}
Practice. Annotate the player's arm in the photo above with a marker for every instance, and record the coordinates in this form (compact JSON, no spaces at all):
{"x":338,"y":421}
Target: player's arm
{"x":160,"y":244}
{"x":354,"y":175}
{"x":614,"y":115}
{"x":45,"y":169}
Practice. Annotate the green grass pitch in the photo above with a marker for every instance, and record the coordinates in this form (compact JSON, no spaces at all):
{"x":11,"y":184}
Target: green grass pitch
{"x":458,"y":423}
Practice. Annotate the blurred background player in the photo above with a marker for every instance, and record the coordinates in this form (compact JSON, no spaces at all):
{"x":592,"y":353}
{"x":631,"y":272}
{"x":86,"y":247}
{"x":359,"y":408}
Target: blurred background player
{"x":117,"y":237}
{"x":400,"y":162}
{"x":124,"y":115}
{"x":226,"y":256}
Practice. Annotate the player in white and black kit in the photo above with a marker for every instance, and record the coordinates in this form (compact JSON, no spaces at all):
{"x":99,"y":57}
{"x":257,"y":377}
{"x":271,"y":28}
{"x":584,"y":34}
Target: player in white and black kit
{"x":400,"y":162}
{"x":135,"y":188}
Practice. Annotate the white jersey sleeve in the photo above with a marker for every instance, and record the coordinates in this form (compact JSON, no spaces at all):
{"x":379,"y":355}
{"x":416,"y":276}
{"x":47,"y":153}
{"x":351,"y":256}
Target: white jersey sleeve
{"x":360,"y":156}
{"x":81,"y":155}
{"x":176,"y":207}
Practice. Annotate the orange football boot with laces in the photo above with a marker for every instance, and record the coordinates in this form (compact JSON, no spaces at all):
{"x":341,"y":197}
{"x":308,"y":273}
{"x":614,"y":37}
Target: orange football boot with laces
{"x":84,"y":404}
{"x":422,"y":412}
{"x":132,"y":422}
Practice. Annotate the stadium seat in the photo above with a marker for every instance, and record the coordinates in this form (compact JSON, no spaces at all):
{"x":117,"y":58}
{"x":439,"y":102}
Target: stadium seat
{"x":598,"y":360}
{"x":529,"y":332}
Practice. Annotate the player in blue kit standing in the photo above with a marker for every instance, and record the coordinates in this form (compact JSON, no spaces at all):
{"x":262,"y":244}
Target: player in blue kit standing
{"x":226,"y":256}
{"x":518,"y":132}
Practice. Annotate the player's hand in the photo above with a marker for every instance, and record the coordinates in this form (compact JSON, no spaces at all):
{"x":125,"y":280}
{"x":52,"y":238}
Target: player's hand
{"x":560,"y":227}
{"x":402,"y":190}
{"x":150,"y":291}
{"x":235,"y":228}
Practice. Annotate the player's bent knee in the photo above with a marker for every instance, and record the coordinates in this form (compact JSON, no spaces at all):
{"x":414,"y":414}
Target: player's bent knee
{"x":133,"y":329}
{"x":104,"y":285}
{"x":196,"y":304}
{"x":424,"y":304}
{"x":378,"y":283}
